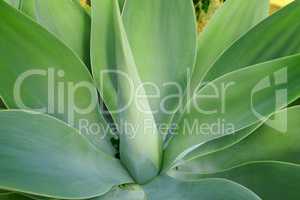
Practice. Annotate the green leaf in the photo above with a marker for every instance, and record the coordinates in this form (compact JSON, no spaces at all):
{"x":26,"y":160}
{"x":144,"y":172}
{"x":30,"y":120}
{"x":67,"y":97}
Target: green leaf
{"x":270,"y":180}
{"x":121,"y":4}
{"x":69,"y":22}
{"x":103,"y":53}
{"x":57,"y":159}
{"x":266,"y":143}
{"x":273,"y":35}
{"x":149,"y":60}
{"x":28,"y":7}
{"x":126,"y":192}
{"x":227,"y":25}
{"x":41,"y":73}
{"x":110,"y":51}
{"x":14,"y":3}
{"x":143,"y":159}
{"x":221,"y":143}
{"x":13,"y":196}
{"x":218,"y":189}
{"x":240,"y":105}
{"x":162,"y":35}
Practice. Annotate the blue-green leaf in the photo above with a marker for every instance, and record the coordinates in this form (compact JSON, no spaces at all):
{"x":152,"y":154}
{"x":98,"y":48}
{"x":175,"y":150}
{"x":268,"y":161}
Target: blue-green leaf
{"x":69,"y":22}
{"x":228,"y":24}
{"x":40,"y":72}
{"x":275,"y":37}
{"x":43,"y":156}
{"x":217,"y":189}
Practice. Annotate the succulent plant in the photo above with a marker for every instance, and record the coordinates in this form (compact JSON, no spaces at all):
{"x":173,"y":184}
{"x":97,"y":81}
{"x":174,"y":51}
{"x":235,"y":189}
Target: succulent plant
{"x":129,"y":102}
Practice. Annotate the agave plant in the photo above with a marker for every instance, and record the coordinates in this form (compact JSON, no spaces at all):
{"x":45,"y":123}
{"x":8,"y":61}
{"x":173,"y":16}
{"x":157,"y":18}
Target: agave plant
{"x":231,"y":132}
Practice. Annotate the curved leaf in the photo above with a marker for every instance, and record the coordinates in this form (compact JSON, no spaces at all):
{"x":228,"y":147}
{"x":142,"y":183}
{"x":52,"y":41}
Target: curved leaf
{"x":41,"y":73}
{"x":103,"y":53}
{"x":110,"y":51}
{"x":270,"y":180}
{"x":162,"y":36}
{"x":218,"y":189}
{"x":126,"y":192}
{"x":221,"y":143}
{"x":262,"y":43}
{"x":228,"y":24}
{"x":57,"y":159}
{"x":69,"y":22}
{"x":240,"y":105}
{"x":143,"y":159}
{"x":266,"y":143}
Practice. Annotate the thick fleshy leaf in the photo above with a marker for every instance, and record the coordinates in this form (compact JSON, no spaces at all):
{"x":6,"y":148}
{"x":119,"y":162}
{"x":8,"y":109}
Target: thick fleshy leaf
{"x":103,"y":53}
{"x":135,"y":119}
{"x":41,"y":73}
{"x":270,"y":180}
{"x":221,"y":143}
{"x":262,"y":43}
{"x":126,"y":192}
{"x":266,"y":143}
{"x":56,"y":158}
{"x":218,"y":189}
{"x":229,"y":23}
{"x":162,"y":35}
{"x":230,"y":104}
{"x":69,"y":22}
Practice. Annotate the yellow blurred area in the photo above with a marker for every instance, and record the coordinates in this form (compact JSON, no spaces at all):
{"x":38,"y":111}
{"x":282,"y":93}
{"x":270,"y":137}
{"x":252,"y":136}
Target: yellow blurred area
{"x":84,"y":3}
{"x":277,"y":4}
{"x":280,"y":2}
{"x":215,"y":4}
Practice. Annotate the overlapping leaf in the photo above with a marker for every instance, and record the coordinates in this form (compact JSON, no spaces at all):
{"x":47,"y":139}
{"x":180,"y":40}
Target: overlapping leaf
{"x":275,"y":140}
{"x":162,"y":35}
{"x":275,"y":37}
{"x":245,"y":103}
{"x":126,"y":192}
{"x":229,"y":23}
{"x":43,"y":156}
{"x":40,"y":72}
{"x":143,"y":159}
{"x":221,"y":143}
{"x":217,"y":189}
{"x":103,"y":53}
{"x":69,"y":22}
{"x":111,"y":51}
{"x":270,"y":180}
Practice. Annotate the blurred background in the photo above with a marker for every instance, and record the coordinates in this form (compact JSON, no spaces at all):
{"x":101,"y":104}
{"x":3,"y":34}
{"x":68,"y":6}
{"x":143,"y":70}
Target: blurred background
{"x":206,"y":8}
